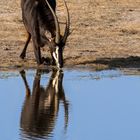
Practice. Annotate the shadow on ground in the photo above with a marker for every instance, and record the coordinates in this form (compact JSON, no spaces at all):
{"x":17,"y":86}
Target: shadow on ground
{"x":129,"y":62}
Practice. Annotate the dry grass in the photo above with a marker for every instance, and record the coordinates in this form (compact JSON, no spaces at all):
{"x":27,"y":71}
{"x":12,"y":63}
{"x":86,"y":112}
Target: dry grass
{"x":101,"y":30}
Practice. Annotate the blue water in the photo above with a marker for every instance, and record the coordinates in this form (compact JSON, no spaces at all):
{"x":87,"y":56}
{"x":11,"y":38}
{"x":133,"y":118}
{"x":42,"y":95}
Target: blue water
{"x":70,"y":105}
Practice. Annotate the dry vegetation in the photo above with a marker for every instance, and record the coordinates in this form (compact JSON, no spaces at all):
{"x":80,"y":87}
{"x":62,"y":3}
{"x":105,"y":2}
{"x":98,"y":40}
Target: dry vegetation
{"x":105,"y":34}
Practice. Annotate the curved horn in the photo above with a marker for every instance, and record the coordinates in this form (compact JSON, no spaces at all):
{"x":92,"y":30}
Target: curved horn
{"x":66,"y":33}
{"x":57,"y":38}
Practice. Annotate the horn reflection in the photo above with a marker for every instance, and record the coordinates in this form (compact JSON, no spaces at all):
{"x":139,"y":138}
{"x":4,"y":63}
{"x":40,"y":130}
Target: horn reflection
{"x":40,"y":109}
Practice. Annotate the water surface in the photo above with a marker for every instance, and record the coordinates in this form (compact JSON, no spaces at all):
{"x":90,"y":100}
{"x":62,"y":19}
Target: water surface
{"x":69,"y":105}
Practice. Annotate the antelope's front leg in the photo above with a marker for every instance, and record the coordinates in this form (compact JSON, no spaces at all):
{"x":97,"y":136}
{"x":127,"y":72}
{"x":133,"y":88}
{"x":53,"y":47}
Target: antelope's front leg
{"x":36,"y":35}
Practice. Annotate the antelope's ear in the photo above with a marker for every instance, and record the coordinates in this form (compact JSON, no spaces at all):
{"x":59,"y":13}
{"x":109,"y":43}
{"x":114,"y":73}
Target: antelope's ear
{"x":51,"y":39}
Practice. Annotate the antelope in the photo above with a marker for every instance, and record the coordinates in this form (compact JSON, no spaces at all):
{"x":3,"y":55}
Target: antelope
{"x":40,"y":109}
{"x":39,"y":17}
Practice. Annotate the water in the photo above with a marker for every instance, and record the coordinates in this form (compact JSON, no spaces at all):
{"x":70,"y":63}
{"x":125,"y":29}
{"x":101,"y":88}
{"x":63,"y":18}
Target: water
{"x":69,"y":105}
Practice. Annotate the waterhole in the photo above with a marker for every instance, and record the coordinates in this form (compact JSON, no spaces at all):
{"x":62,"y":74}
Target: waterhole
{"x":69,"y":105}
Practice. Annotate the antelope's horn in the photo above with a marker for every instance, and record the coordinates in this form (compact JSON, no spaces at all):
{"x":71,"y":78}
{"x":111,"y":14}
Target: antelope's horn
{"x":67,"y":28}
{"x":57,"y":38}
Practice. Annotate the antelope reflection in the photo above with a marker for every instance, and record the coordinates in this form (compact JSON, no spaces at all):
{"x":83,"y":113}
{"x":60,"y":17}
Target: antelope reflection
{"x":40,"y":109}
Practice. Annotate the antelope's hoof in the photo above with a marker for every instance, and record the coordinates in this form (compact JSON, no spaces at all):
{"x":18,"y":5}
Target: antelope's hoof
{"x":22,"y":56}
{"x":46,"y":61}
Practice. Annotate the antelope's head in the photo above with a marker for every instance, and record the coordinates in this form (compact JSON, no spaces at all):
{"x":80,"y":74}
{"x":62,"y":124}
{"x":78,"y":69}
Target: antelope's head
{"x":57,"y":44}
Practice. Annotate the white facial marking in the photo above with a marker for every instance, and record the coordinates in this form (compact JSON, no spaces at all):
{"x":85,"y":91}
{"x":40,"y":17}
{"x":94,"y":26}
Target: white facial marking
{"x":56,"y":55}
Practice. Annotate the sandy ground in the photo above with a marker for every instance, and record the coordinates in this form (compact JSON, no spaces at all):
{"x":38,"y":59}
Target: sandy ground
{"x":105,"y":34}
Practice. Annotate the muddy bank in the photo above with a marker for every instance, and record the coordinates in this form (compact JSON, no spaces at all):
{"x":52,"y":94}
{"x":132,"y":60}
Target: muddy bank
{"x":105,"y":34}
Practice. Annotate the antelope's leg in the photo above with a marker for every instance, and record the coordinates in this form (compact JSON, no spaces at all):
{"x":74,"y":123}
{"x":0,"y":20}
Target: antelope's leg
{"x":37,"y":51}
{"x":36,"y":41}
{"x":35,"y":33}
{"x":23,"y":53}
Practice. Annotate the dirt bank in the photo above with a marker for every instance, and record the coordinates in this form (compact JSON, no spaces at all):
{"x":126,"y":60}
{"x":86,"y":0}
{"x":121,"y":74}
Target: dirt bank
{"x":105,"y":34}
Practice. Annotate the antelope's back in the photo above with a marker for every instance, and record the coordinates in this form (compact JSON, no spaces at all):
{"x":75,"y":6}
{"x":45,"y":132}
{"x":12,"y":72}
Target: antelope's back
{"x":33,"y":10}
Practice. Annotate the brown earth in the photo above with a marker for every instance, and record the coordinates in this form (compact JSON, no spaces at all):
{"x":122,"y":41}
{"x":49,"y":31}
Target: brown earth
{"x":105,"y":34}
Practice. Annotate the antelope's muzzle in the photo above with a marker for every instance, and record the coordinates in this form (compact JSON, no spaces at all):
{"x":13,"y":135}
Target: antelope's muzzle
{"x":58,"y":57}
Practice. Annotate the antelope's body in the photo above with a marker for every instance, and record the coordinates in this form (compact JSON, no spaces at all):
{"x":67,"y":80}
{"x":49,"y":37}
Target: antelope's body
{"x":38,"y":17}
